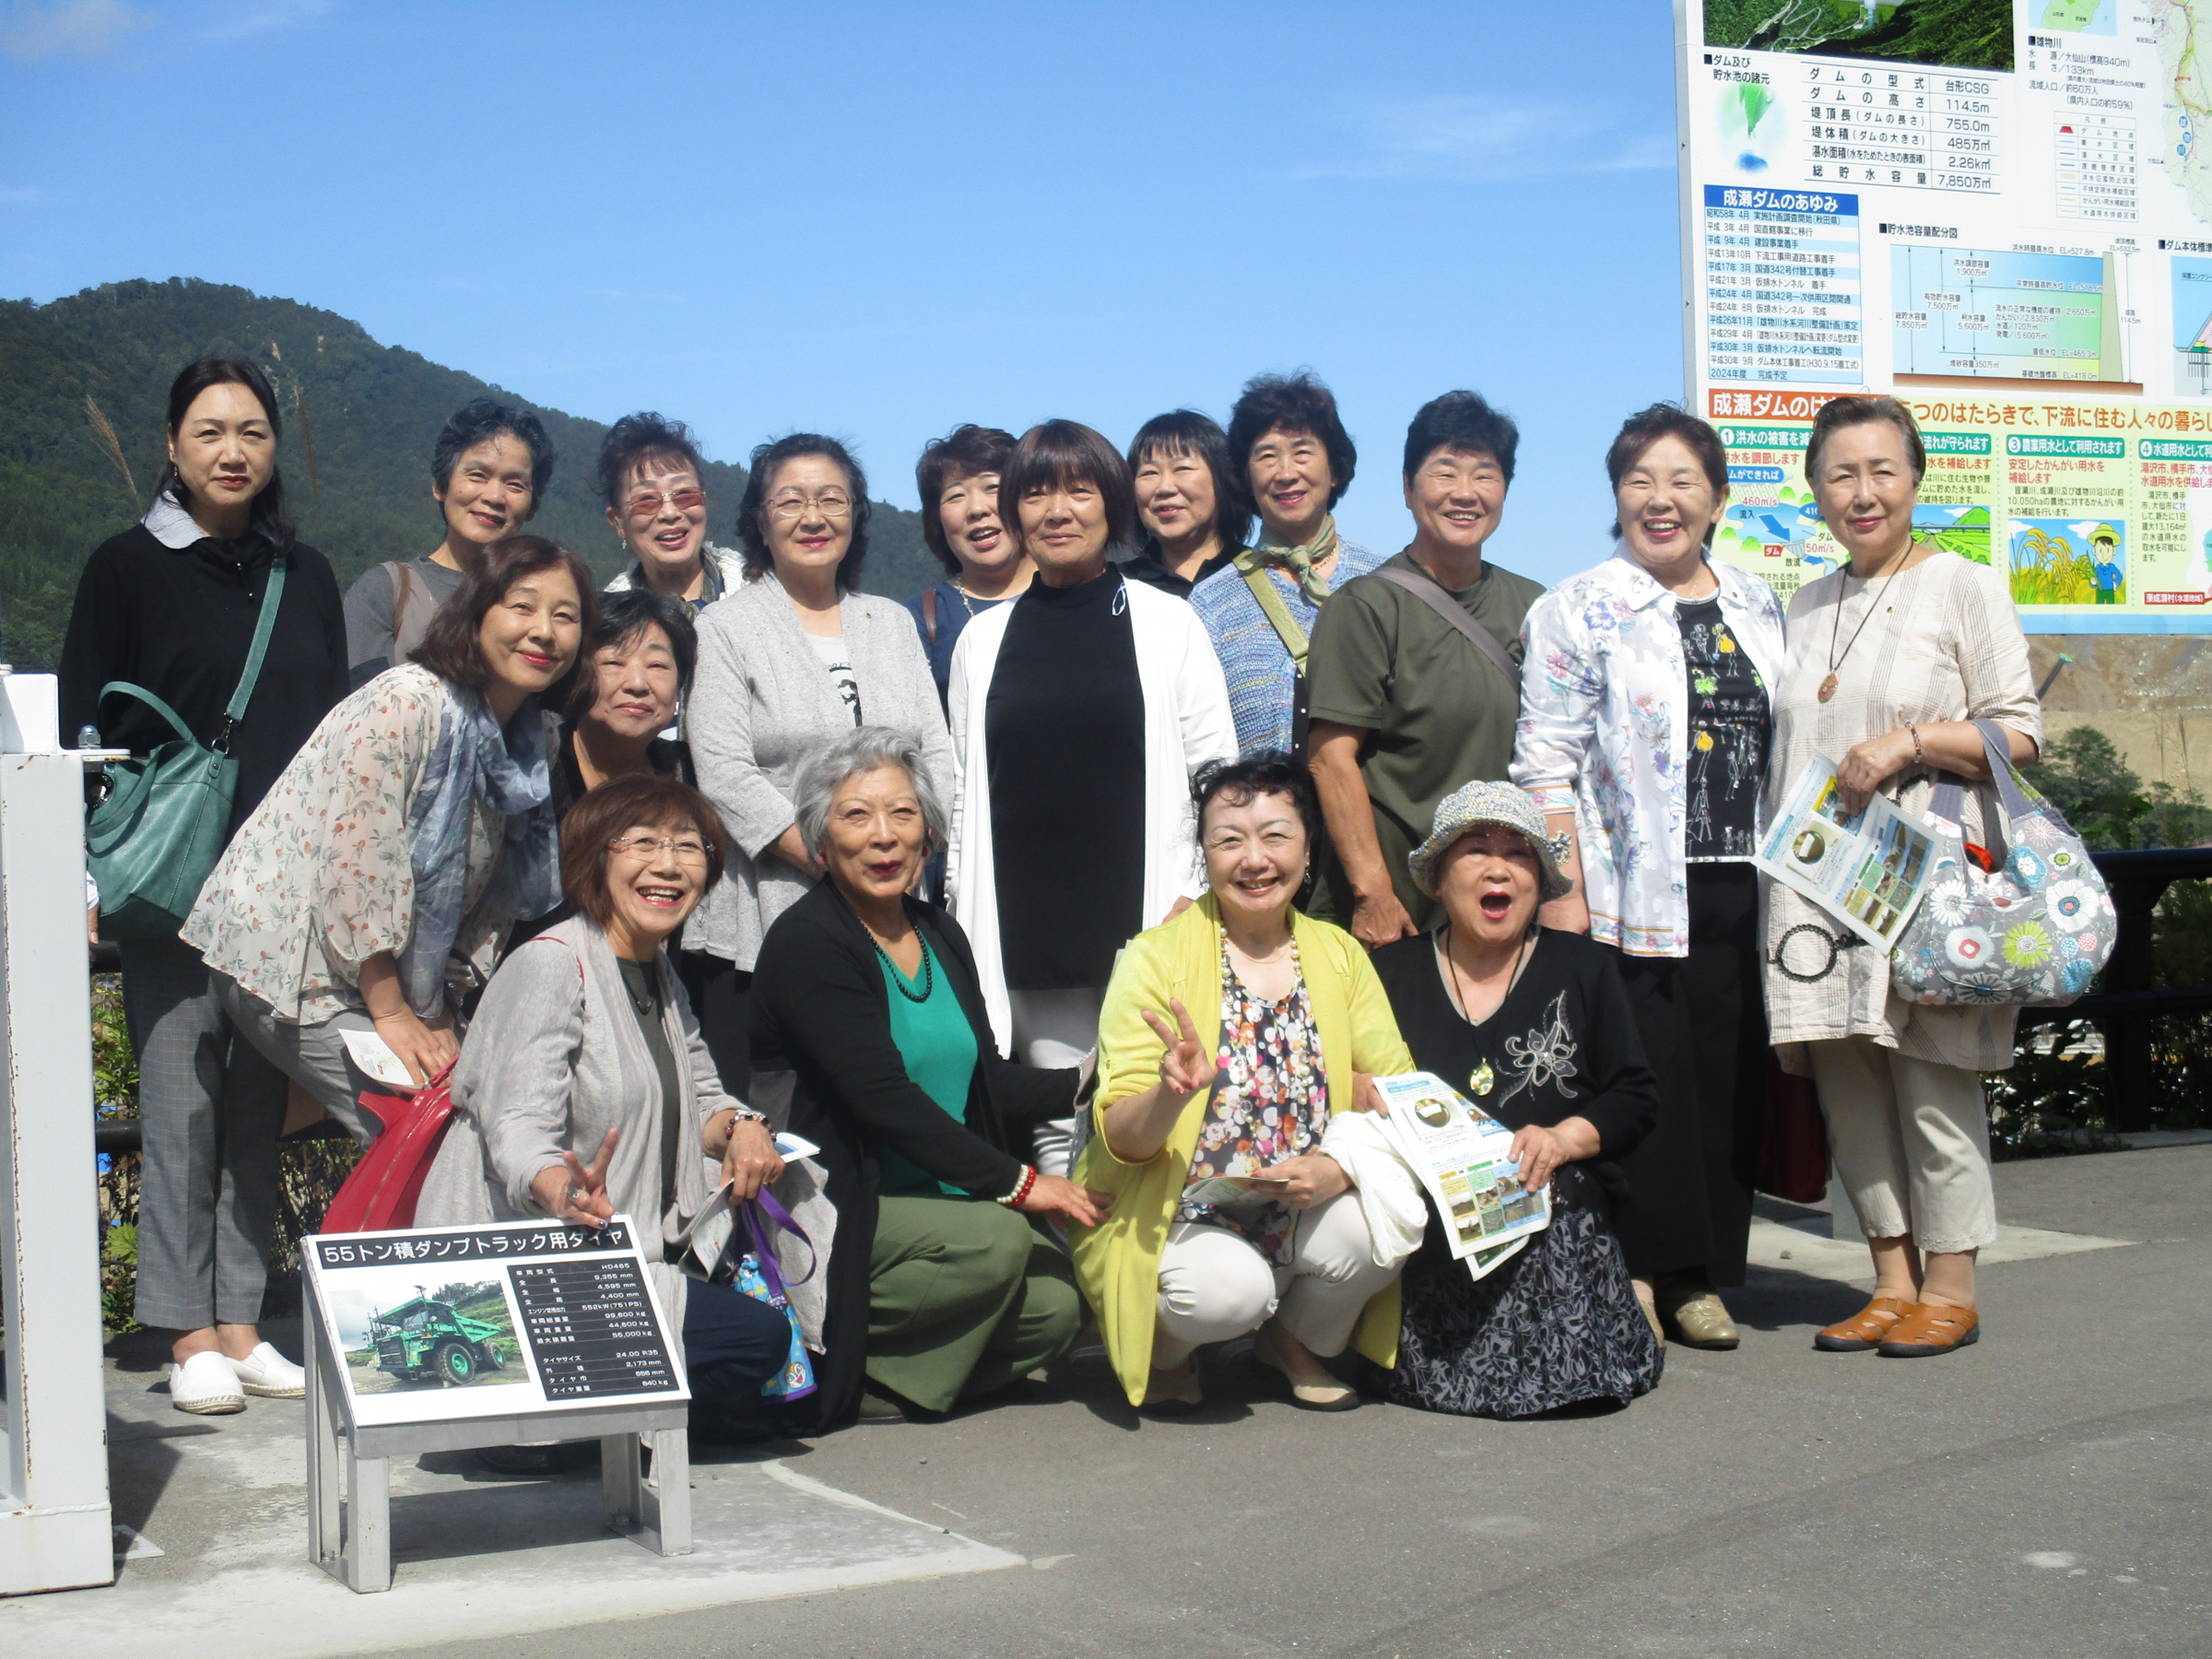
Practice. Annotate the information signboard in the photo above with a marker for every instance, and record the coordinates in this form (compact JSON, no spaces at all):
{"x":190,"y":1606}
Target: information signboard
{"x":435,"y":1323}
{"x":1998,"y":211}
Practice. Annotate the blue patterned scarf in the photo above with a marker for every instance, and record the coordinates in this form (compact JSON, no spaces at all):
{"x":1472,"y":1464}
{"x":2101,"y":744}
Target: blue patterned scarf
{"x":474,"y":758}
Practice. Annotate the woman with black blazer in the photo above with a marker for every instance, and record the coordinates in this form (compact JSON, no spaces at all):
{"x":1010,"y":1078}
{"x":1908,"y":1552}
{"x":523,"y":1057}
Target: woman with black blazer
{"x":870,"y":1038}
{"x":170,"y":605}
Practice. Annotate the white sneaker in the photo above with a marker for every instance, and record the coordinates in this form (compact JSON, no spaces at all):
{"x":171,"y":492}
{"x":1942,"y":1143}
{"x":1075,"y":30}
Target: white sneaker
{"x":269,"y":1373}
{"x":205,"y":1384}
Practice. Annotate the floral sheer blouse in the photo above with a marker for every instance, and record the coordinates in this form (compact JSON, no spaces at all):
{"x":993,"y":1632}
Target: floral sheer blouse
{"x":319,"y":880}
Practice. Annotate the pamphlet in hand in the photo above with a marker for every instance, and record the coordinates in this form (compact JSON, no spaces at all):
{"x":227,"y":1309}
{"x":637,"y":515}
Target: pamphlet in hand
{"x":1226,"y":1192}
{"x":1464,"y":1159}
{"x":1867,"y":868}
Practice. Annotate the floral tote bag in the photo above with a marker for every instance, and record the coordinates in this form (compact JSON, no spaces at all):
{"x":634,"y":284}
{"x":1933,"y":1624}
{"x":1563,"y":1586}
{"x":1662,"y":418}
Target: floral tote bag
{"x":2034,"y":929}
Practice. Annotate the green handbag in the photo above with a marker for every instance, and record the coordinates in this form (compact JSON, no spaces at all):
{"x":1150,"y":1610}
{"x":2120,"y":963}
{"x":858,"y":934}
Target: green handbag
{"x":153,"y":839}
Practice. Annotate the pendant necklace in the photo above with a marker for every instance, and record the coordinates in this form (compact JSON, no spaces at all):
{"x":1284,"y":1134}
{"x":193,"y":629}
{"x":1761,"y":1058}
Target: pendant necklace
{"x":1828,"y":686}
{"x":1482,"y":1079}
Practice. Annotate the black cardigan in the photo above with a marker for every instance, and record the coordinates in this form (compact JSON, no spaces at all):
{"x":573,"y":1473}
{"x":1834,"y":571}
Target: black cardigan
{"x":825,"y":1066}
{"x":180,"y":621}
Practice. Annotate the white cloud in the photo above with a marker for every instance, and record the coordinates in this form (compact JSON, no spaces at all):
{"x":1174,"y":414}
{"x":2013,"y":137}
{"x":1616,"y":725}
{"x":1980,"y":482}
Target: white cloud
{"x":1485,"y":139}
{"x":265,"y":17}
{"x":32,"y":29}
{"x":12,"y":193}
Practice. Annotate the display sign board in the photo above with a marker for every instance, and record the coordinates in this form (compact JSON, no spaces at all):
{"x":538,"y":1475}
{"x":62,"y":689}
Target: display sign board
{"x":1998,"y":211}
{"x":434,"y":1324}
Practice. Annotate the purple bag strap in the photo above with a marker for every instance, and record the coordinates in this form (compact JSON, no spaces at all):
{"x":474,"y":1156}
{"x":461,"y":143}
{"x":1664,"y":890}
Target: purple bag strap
{"x":763,"y":1214}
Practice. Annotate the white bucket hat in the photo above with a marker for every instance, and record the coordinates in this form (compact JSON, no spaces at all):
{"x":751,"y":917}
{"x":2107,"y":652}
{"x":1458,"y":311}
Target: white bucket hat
{"x":1473,"y":805}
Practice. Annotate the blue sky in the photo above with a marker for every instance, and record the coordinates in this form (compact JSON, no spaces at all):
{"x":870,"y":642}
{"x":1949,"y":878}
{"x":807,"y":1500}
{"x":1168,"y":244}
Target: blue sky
{"x":882,"y":220}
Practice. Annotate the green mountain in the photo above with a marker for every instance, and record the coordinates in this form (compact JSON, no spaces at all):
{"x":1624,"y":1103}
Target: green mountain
{"x":1960,"y":34}
{"x":374,"y":412}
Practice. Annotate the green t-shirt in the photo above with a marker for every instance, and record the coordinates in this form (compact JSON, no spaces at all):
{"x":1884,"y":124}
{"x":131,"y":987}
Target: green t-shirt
{"x":1437,"y":714}
{"x":938,"y":1046}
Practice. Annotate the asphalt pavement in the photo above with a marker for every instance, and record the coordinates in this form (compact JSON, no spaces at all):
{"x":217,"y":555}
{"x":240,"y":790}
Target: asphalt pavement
{"x":2043,"y":1492}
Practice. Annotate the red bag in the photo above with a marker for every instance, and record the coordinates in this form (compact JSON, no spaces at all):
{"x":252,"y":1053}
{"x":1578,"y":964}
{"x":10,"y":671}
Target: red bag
{"x":1792,"y":1146}
{"x":381,"y":1192}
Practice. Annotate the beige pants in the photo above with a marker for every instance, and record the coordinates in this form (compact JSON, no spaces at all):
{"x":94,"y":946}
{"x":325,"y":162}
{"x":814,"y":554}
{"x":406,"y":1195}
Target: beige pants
{"x":1910,"y":1140}
{"x":1214,"y":1286}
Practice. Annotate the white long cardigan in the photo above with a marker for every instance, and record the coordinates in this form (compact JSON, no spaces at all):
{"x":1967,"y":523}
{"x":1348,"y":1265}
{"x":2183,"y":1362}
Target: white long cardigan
{"x":1187,"y":723}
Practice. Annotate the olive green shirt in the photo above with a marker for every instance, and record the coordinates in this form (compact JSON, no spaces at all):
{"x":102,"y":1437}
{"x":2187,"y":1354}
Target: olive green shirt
{"x":1437,"y":713}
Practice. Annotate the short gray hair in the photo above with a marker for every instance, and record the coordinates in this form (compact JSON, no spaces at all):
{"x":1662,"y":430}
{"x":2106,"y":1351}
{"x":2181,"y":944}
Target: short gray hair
{"x":864,"y":749}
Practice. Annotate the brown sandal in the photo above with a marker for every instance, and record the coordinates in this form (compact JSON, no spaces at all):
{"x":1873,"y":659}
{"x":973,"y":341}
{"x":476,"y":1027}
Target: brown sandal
{"x":1864,"y":1329}
{"x":1929,"y":1329}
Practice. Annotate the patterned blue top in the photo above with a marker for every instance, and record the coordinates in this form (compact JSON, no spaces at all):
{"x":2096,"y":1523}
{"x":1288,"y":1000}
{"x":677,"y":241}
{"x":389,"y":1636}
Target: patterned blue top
{"x":1252,"y":653}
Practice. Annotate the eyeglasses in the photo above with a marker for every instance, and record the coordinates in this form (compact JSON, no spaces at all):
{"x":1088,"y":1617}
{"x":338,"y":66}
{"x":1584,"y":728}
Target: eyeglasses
{"x":829,"y":503}
{"x":649,"y":506}
{"x":689,"y":848}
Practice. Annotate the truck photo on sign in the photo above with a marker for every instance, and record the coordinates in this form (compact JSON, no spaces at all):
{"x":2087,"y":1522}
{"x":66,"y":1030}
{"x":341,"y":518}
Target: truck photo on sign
{"x":1998,"y":212}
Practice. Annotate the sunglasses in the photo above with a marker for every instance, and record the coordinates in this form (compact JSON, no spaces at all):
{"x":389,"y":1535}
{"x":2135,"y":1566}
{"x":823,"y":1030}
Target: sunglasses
{"x":649,"y":506}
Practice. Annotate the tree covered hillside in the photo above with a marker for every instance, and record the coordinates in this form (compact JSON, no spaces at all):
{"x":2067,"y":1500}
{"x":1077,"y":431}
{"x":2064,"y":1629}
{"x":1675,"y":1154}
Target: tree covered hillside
{"x":373,"y":411}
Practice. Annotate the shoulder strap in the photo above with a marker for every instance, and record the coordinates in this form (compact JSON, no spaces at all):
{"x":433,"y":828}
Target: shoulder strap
{"x":403,"y":590}
{"x":265,"y":625}
{"x":1285,"y":625}
{"x":929,"y":613}
{"x":144,"y":696}
{"x":1431,"y":593}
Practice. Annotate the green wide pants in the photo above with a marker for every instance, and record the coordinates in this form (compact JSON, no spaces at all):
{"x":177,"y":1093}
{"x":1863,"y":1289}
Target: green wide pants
{"x":964,"y":1296}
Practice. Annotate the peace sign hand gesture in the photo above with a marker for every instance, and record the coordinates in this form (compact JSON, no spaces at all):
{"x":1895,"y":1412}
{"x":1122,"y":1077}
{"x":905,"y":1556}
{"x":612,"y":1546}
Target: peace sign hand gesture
{"x":569,"y":1190}
{"x":1185,"y":1068}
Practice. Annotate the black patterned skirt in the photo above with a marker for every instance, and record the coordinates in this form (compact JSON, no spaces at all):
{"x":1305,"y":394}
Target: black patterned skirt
{"x":1557,"y":1325}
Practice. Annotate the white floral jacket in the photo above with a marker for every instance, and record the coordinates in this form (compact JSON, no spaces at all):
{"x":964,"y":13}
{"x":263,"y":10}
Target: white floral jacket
{"x":1605,"y":732}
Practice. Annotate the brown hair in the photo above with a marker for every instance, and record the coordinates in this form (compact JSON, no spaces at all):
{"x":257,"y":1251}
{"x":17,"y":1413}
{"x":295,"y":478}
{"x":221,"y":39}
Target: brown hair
{"x":1864,"y":411}
{"x":645,"y":800}
{"x":966,"y":452}
{"x":452,"y":649}
{"x":1063,"y":452}
{"x":1658,"y":420}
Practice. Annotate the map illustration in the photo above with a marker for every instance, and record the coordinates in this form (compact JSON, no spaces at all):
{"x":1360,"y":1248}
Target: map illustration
{"x":2080,"y":16}
{"x":2174,"y":25}
{"x":1956,"y":34}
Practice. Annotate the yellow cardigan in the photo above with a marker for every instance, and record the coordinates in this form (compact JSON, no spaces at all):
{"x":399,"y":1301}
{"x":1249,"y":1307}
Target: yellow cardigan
{"x":1117,"y":1263}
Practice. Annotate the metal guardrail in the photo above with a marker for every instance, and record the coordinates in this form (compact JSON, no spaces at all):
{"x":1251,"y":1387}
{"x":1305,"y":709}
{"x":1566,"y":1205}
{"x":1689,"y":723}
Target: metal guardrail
{"x":2127,"y":1004}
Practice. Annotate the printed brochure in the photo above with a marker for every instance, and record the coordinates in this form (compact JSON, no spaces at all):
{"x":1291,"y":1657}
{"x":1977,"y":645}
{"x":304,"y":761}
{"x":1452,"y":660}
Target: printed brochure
{"x":1463,"y":1157}
{"x":1867,"y":868}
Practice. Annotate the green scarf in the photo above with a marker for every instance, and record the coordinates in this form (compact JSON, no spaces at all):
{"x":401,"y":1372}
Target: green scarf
{"x":1299,"y":560}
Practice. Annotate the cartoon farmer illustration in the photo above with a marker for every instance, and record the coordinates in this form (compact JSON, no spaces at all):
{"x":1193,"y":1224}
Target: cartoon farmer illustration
{"x":2110,"y":575}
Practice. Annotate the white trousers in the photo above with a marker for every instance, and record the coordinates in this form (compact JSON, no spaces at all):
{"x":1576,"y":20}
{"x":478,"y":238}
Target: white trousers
{"x":1053,"y":1029}
{"x":1910,"y":1140}
{"x":1214,"y":1286}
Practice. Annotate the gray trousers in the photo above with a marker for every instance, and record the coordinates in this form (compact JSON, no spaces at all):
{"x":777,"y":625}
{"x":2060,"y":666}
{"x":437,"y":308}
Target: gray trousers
{"x":313,"y":1056}
{"x":210,"y":1107}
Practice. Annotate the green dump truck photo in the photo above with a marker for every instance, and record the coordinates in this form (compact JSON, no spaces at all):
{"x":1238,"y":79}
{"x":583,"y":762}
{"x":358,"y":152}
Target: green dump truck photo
{"x":455,"y":1335}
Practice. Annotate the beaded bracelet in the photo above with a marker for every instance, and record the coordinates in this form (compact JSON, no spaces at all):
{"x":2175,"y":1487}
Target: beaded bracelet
{"x":1014,"y":1199}
{"x":1917,"y":759}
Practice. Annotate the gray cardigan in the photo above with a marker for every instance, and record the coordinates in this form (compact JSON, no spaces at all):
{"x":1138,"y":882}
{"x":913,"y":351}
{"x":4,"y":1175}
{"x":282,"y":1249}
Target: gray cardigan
{"x":759,"y":706}
{"x":552,"y":1061}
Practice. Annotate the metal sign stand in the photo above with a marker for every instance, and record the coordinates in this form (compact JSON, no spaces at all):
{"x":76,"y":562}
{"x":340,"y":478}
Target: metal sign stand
{"x":55,"y":1532}
{"x":349,"y":1478}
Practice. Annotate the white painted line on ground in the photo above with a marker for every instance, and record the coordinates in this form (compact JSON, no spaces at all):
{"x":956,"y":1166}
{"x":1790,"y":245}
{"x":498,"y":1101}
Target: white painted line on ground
{"x":1792,"y":1250}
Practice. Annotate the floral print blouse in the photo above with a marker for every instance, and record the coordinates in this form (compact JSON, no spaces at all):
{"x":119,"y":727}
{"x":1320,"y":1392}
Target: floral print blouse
{"x":318,"y":880}
{"x":1270,"y":1102}
{"x":1605,"y":734}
